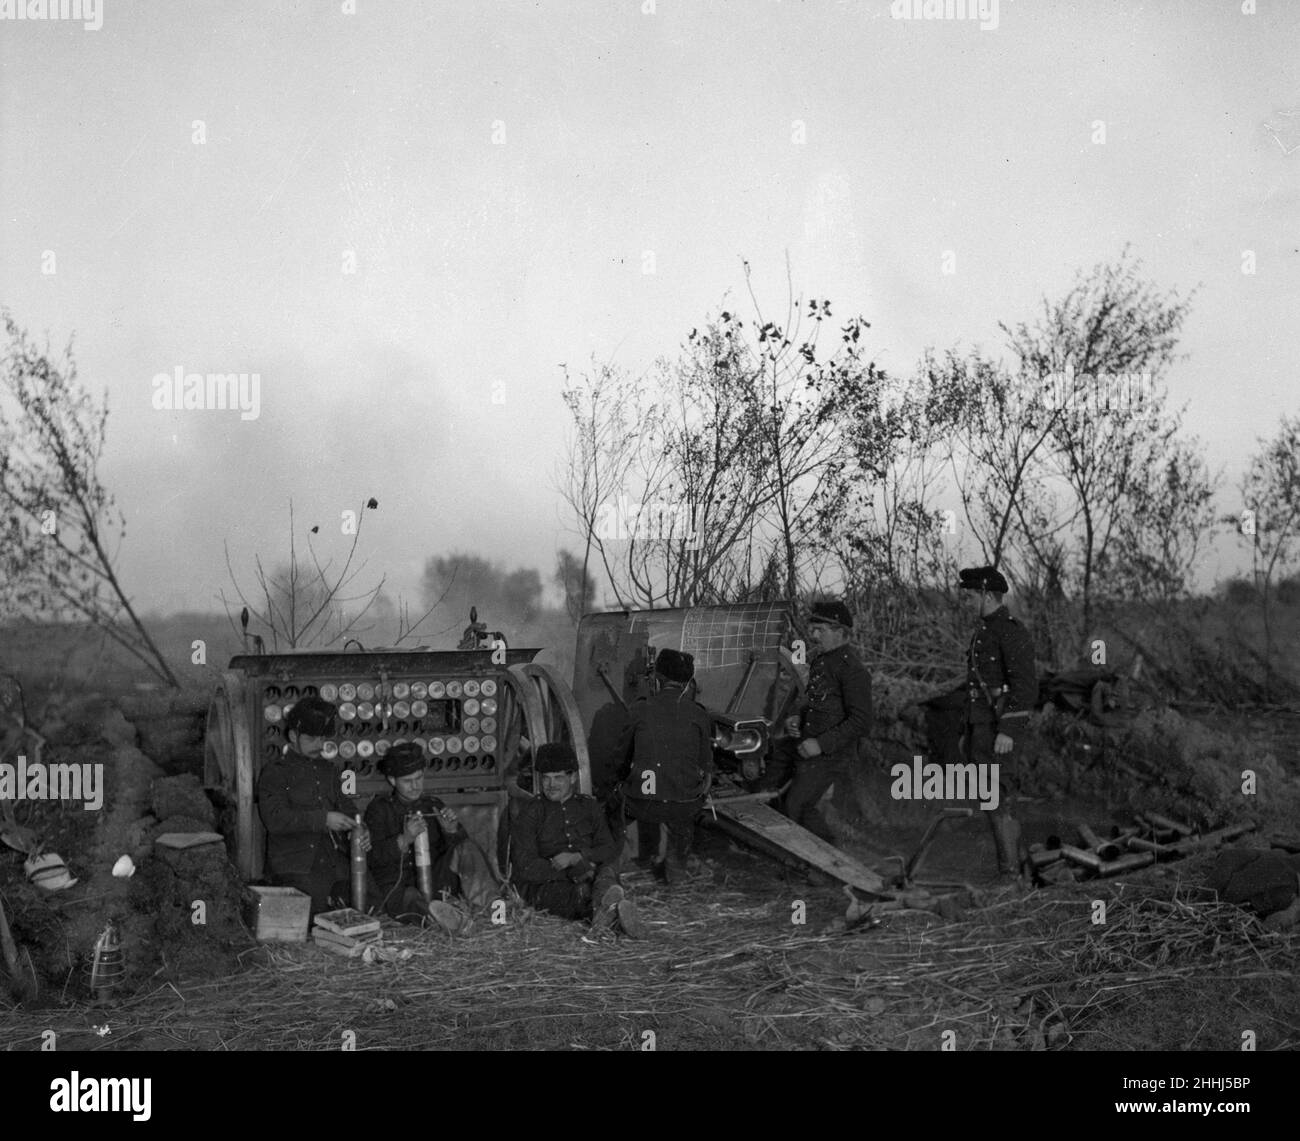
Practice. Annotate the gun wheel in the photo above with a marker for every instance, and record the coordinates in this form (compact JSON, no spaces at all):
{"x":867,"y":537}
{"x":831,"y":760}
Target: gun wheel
{"x":228,"y":771}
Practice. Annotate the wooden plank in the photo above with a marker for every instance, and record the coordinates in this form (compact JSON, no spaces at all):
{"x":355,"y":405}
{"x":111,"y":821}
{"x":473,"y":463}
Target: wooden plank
{"x":731,"y":796}
{"x":771,"y":828}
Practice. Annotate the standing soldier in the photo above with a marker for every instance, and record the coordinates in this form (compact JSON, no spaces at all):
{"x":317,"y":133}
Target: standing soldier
{"x":666,"y":753}
{"x":836,"y":716}
{"x":1001,"y":689}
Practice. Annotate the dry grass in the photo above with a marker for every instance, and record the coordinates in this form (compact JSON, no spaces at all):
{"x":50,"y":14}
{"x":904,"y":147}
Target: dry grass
{"x":725,"y":969}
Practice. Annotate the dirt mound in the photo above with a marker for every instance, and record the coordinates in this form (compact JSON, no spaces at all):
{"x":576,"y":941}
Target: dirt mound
{"x":86,"y":719}
{"x":188,"y":907}
{"x":183,"y":796}
{"x":153,"y":911}
{"x":1208,"y":775}
{"x":175,"y":740}
{"x":1265,"y":881}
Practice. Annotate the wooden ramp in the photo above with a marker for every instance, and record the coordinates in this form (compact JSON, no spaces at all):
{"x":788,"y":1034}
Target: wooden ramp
{"x":754,"y":822}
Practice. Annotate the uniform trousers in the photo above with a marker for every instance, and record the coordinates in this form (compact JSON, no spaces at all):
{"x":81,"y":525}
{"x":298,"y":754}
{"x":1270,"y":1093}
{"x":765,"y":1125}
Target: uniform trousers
{"x":678,"y":816}
{"x":812,"y":778}
{"x":571,"y":899}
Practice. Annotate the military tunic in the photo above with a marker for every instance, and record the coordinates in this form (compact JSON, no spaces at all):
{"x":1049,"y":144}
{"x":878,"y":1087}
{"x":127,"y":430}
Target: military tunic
{"x":1001,"y":688}
{"x":1001,"y":681}
{"x":837,"y":714}
{"x":837,"y":709}
{"x":667,"y":746}
{"x":394,"y":870}
{"x":671,"y":736}
{"x":544,"y":829}
{"x":295,"y":793}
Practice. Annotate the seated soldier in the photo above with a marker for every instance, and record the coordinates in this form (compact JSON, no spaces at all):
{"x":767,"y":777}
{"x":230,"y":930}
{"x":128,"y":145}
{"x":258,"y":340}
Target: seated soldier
{"x":458,"y":865}
{"x":301,"y":802}
{"x":564,"y":859}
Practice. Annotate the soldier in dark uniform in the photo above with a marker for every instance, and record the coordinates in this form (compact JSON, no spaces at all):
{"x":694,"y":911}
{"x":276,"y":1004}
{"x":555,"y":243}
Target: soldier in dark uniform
{"x":603,"y":743}
{"x":563,"y":857}
{"x":835,"y":717}
{"x":1001,"y":688}
{"x":458,"y":865}
{"x":306,"y":815}
{"x":666,"y":755}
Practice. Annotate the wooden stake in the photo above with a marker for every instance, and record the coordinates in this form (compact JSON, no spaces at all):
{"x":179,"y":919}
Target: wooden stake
{"x":9,"y":947}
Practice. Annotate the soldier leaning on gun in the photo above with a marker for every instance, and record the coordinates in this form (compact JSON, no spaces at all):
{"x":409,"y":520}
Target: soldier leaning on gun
{"x":1001,"y":686}
{"x":836,"y":716}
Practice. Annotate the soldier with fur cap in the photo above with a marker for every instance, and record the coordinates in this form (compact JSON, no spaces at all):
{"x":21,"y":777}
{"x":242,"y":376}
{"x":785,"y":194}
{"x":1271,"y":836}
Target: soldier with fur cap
{"x":563,"y":856}
{"x":307,"y":817}
{"x":666,"y":758}
{"x":834,"y":719}
{"x":459,"y":866}
{"x":1001,"y":688}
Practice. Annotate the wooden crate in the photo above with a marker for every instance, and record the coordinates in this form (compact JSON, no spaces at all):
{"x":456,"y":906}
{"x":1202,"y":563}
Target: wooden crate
{"x":280,"y":914}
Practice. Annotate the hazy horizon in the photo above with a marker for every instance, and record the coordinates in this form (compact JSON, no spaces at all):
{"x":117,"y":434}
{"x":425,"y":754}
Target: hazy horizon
{"x":404,"y":220}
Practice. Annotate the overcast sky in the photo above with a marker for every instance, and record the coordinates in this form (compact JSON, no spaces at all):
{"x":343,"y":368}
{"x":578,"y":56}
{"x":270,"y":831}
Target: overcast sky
{"x":500,"y":170}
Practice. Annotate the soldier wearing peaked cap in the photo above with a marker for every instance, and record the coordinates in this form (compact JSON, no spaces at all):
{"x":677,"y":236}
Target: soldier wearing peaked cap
{"x":834,"y":719}
{"x":665,"y":755}
{"x":1001,"y":687}
{"x":307,"y":817}
{"x":458,"y":865}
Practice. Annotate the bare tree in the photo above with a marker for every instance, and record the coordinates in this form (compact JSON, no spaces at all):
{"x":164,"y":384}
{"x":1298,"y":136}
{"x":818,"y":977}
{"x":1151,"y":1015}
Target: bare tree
{"x":608,"y":414}
{"x":1270,"y":521}
{"x":880,"y":513}
{"x":304,"y":603}
{"x":1102,"y":351}
{"x":686,"y":492}
{"x":1168,"y":517}
{"x":578,"y":588}
{"x":61,"y":528}
{"x":1001,"y":422}
{"x":663,"y":486}
{"x":800,"y":410}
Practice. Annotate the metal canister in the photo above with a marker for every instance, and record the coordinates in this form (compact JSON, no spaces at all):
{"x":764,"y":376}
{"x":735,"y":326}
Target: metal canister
{"x":358,"y":869}
{"x":108,"y":965}
{"x":423,"y":866}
